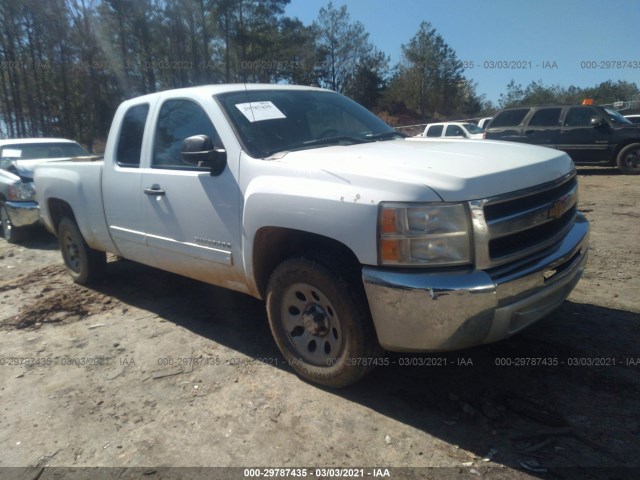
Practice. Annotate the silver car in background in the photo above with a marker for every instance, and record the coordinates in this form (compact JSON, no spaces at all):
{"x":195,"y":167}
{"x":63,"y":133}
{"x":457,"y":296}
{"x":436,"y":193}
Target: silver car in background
{"x":18,"y":158}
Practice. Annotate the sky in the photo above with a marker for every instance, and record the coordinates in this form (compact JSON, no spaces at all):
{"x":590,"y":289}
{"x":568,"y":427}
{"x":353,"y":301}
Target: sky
{"x":565,"y":42}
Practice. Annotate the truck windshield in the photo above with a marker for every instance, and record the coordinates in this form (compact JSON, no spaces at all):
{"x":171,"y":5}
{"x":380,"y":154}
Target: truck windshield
{"x":615,"y":117}
{"x":37,"y":151}
{"x":272,"y":121}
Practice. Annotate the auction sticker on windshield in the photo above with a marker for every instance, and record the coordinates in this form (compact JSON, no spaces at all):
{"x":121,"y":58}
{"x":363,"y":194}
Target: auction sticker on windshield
{"x":258,"y":111}
{"x":11,"y":153}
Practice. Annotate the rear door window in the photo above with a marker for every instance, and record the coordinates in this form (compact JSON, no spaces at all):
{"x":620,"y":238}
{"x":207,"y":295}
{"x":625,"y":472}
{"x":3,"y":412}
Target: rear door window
{"x":131,"y":132}
{"x":509,"y":118}
{"x":546,"y":117}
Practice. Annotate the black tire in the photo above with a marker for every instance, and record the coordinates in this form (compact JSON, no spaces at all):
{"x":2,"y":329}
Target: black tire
{"x":84,"y":264}
{"x":11,"y":234}
{"x":321,"y":322}
{"x":629,"y":159}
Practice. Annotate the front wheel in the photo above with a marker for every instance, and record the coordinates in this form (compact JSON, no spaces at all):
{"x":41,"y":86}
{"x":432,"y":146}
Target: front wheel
{"x":83,"y":263}
{"x":11,"y":234}
{"x":321,"y":322}
{"x":629,"y":159}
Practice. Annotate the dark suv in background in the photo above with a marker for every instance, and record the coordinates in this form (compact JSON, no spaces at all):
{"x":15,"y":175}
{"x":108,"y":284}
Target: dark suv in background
{"x":590,"y":134}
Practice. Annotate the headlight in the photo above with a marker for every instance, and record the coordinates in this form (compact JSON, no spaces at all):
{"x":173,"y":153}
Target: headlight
{"x":22,"y":192}
{"x":419,"y":234}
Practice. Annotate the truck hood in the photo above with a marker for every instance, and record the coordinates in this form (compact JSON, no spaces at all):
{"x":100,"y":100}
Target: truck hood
{"x":25,"y":168}
{"x":457,"y":170}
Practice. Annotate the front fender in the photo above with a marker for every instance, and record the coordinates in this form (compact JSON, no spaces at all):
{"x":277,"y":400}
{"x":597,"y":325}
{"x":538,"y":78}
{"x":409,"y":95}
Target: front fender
{"x":343,"y":213}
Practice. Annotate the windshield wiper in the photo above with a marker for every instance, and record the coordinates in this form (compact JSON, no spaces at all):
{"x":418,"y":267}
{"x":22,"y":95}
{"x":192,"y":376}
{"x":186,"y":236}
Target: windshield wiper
{"x":339,"y":140}
{"x":386,"y":135}
{"x":349,"y":139}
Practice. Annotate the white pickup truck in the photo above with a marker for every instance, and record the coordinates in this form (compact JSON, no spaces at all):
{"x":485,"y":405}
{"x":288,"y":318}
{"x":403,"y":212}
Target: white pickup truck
{"x":358,"y":238}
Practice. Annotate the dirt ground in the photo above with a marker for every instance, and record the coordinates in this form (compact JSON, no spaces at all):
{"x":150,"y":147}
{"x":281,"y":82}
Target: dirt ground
{"x":151,"y":370}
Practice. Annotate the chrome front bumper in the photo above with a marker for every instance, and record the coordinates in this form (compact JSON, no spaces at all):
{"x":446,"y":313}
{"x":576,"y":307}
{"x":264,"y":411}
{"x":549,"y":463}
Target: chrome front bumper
{"x":416,"y":311}
{"x":23,"y":214}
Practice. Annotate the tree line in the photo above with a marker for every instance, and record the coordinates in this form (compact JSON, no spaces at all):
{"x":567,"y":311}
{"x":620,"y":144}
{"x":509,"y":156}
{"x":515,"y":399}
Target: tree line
{"x":537,"y":93}
{"x":65,"y":65}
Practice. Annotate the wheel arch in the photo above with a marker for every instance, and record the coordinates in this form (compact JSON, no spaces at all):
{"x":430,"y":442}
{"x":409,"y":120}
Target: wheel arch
{"x":618,"y":162}
{"x":59,"y":209}
{"x":273,"y":245}
{"x":622,"y":145}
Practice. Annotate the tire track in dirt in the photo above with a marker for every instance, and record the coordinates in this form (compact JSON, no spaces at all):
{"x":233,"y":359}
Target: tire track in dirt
{"x":48,"y":296}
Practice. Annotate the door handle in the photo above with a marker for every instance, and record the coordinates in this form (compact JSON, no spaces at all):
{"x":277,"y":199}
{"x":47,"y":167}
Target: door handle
{"x":154,"y":190}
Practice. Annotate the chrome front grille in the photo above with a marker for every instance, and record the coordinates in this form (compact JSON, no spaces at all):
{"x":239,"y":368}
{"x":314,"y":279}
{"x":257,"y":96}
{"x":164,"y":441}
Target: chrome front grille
{"x":518,"y":225}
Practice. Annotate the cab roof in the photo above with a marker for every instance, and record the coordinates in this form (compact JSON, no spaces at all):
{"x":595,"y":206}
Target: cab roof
{"x":209,"y":90}
{"x":22,"y":141}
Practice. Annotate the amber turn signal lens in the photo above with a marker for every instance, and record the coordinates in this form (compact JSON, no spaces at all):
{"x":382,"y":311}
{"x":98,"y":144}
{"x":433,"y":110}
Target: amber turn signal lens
{"x":391,"y":250}
{"x":389,"y":224}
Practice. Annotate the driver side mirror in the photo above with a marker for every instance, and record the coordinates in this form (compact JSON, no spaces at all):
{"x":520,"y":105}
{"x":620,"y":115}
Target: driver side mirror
{"x":199,"y":150}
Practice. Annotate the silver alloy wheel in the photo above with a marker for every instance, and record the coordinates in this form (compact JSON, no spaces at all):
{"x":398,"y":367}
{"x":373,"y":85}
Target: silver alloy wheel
{"x":312,"y":324}
{"x":84,"y":264}
{"x":631,"y":158}
{"x":71,"y":251}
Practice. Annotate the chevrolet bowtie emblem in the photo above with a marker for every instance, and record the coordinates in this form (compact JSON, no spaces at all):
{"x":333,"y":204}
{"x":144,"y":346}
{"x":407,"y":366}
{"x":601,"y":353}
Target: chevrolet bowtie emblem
{"x":558,"y":208}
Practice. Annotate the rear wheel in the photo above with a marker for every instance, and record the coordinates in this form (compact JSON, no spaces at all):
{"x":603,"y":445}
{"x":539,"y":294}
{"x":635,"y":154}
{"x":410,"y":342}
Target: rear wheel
{"x":629,"y":159}
{"x":11,"y":234}
{"x":83,"y":263}
{"x":321,"y":322}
